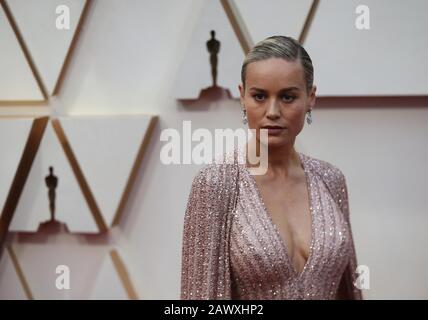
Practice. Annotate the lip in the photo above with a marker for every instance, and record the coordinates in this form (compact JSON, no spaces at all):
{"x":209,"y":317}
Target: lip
{"x":273,"y":126}
{"x":274,"y":130}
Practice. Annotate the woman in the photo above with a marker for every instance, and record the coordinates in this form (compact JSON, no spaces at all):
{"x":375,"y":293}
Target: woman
{"x":282,"y":235}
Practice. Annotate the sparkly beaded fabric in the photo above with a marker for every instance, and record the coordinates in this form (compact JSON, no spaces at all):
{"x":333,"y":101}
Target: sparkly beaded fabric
{"x":233,"y":250}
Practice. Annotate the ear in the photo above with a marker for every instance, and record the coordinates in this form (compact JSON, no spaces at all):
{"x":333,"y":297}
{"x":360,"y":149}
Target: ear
{"x":312,"y":97}
{"x":242,"y":93}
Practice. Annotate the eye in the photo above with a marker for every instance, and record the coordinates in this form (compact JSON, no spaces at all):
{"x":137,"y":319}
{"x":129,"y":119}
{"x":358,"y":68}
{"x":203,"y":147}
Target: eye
{"x":259,"y":96}
{"x":288,"y":98}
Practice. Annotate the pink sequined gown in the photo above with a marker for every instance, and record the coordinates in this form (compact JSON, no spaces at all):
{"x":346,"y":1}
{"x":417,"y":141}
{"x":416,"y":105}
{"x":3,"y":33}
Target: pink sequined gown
{"x":233,"y":250}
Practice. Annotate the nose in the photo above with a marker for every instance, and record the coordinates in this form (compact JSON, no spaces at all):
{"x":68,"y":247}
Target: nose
{"x":272,"y":111}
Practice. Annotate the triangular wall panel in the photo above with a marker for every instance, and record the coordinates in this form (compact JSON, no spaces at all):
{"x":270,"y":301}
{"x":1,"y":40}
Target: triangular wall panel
{"x":13,"y":137}
{"x":106,"y":149}
{"x":17,"y":82}
{"x":48,"y":46}
{"x":33,"y":205}
{"x":195,"y":69}
{"x":273,"y":17}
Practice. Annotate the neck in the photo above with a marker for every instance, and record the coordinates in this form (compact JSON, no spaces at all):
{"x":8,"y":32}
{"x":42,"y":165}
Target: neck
{"x":281,"y":159}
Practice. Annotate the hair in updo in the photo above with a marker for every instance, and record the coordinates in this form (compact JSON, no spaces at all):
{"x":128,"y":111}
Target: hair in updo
{"x":280,"y":47}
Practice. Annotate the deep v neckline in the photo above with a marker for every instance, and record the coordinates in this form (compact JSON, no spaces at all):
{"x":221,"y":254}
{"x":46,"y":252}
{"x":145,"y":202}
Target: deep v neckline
{"x":279,"y":238}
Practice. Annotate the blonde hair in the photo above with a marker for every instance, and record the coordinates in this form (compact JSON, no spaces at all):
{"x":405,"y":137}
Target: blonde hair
{"x":280,"y":47}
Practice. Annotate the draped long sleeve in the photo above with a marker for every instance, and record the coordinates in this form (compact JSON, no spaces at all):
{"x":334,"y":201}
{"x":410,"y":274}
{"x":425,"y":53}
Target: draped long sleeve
{"x":205,"y":260}
{"x":336,"y":184}
{"x":347,"y":289}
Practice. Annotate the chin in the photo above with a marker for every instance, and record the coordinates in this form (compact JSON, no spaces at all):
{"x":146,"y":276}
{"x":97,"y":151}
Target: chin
{"x":276,"y":141}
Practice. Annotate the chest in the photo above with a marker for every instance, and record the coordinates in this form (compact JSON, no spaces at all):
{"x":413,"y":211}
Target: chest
{"x":288,"y":208}
{"x":261,"y":239}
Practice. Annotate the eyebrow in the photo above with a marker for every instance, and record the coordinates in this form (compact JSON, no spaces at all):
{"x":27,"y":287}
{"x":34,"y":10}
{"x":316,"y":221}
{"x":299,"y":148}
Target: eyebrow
{"x":283,"y":89}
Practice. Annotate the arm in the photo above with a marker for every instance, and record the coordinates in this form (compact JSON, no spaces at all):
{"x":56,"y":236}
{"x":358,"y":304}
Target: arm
{"x":205,"y":272}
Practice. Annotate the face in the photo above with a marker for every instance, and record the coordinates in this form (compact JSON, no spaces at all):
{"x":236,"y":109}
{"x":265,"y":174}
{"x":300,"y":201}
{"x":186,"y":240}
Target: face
{"x":275,"y":95}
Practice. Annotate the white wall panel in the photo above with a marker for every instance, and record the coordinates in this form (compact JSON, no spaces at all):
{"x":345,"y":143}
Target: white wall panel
{"x":195,"y":68}
{"x":17,"y":81}
{"x":106,"y":149}
{"x":33,"y":205}
{"x":388,"y":59}
{"x":48,"y":45}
